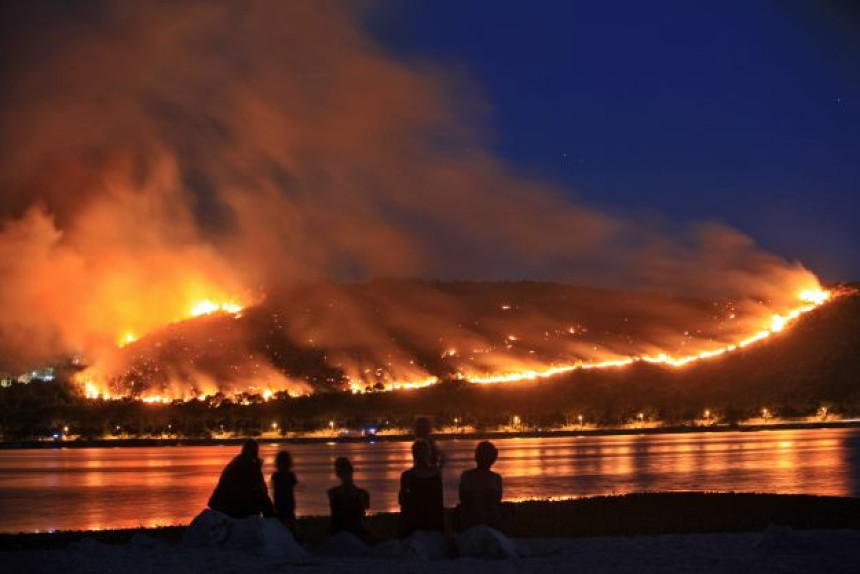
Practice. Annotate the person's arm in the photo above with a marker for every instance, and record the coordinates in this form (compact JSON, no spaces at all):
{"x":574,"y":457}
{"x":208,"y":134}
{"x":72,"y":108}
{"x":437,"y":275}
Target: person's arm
{"x":273,"y":488}
{"x":403,"y":495}
{"x":268,"y":507}
{"x":331,"y":501}
{"x":265,"y":503}
{"x":365,"y":499}
{"x":499,"y":482}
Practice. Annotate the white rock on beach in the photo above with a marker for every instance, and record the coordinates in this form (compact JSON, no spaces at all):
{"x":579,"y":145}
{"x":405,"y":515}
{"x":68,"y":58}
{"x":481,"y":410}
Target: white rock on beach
{"x":426,"y":545}
{"x":209,"y":528}
{"x":278,"y":541}
{"x":344,"y":544}
{"x":212,"y":529}
{"x":486,"y":542}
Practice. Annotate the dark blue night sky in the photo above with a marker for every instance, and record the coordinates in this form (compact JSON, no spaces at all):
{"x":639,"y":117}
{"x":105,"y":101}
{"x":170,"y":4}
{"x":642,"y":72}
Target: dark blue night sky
{"x":743,"y":111}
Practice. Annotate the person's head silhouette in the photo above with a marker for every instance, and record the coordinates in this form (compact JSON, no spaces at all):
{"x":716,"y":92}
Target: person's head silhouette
{"x":284,"y":461}
{"x":343,"y":469}
{"x":423,"y":427}
{"x":486,"y":454}
{"x":251,"y":449}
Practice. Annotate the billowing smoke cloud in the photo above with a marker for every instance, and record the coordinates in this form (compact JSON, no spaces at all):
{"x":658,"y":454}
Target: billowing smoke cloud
{"x":155,"y":154}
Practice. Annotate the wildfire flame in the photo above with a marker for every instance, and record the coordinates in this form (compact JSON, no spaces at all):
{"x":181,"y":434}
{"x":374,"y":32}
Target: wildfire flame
{"x":197,"y":309}
{"x":200,"y":308}
{"x":207,"y":307}
{"x":809,"y":299}
{"x":126,"y":339}
{"x":358,"y":386}
{"x":91,"y":391}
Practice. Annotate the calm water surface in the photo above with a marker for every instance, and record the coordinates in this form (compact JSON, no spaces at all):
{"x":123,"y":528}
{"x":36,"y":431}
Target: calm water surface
{"x":127,"y":487}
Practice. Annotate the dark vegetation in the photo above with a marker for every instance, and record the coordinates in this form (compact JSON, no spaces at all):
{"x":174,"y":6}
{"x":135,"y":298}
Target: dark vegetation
{"x":628,"y":515}
{"x":814,"y":364}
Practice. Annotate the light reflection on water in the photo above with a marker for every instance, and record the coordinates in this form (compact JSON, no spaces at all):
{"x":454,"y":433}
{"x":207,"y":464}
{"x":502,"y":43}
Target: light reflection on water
{"x":127,"y":487}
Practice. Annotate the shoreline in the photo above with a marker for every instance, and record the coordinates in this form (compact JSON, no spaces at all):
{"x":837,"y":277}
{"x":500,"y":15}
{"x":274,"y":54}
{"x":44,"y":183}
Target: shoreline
{"x":490,"y":435}
{"x":638,"y":514}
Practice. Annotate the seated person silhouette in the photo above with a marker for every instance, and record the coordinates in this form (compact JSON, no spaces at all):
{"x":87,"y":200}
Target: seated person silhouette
{"x":241,"y":491}
{"x":348,"y":502}
{"x":421,"y":505}
{"x":283,"y":489}
{"x":481,"y":491}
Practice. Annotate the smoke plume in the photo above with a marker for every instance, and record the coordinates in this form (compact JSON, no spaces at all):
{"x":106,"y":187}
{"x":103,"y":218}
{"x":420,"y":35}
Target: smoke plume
{"x":156,"y":154}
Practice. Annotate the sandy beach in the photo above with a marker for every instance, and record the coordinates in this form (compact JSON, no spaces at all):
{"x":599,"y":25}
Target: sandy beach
{"x":680,"y":532}
{"x":774,"y":550}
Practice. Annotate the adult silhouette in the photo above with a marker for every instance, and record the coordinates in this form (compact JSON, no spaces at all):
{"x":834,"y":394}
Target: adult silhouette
{"x":481,"y":491}
{"x":421,"y":503}
{"x":348,"y":502}
{"x":241,"y":489}
{"x":284,"y":483}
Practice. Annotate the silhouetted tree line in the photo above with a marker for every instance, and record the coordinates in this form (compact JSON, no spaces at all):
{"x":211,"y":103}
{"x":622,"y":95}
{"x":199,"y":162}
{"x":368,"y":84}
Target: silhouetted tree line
{"x":40,"y":410}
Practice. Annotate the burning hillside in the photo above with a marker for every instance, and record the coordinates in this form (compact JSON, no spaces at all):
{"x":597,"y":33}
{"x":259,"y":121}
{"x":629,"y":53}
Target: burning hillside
{"x":390,"y":335}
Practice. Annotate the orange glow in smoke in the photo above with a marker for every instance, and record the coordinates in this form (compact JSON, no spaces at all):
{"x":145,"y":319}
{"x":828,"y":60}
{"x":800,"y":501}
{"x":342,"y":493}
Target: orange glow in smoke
{"x":127,"y":338}
{"x":196,"y":309}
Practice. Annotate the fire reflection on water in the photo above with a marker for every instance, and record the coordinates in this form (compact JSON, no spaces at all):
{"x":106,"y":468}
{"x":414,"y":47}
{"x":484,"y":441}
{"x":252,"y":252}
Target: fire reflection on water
{"x":128,"y":487}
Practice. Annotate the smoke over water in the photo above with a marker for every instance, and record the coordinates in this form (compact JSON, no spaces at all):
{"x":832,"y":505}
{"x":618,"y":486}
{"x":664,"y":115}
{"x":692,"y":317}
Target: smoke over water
{"x":159,"y":160}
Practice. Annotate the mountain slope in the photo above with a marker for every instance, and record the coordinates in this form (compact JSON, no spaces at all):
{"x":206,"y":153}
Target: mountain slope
{"x":385,"y":334}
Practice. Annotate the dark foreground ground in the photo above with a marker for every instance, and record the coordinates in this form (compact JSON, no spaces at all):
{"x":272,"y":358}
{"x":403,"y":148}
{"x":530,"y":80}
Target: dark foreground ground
{"x":674,"y":533}
{"x":627,"y":515}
